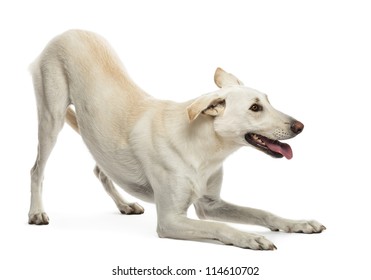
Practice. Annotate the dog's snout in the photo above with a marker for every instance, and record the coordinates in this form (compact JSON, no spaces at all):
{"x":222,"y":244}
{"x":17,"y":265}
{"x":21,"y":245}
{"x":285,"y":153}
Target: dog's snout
{"x":297,"y":127}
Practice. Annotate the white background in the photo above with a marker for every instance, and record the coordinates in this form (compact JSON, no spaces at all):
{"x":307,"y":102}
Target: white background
{"x":313,"y":59}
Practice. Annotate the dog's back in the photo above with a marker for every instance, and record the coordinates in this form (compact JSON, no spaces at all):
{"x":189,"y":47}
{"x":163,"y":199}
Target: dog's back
{"x":78,"y":65}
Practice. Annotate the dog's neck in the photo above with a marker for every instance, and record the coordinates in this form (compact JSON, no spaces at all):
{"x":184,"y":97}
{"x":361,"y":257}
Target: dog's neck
{"x":201,"y":145}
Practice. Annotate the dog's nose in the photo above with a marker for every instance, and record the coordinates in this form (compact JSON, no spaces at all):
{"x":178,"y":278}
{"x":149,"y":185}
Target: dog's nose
{"x":297,"y":127}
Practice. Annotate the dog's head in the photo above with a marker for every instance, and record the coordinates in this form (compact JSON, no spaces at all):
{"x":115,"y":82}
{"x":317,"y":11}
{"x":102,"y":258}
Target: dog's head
{"x":244,"y":116}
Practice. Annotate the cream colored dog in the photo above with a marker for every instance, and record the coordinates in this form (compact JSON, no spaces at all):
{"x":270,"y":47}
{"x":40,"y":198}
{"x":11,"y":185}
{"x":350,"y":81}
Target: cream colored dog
{"x":159,"y":151}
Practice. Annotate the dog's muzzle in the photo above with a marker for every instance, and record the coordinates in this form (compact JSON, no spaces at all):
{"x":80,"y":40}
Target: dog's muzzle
{"x":272,"y":147}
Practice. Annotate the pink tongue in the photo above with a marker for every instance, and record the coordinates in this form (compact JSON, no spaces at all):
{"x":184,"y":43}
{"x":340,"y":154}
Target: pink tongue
{"x":281,"y":148}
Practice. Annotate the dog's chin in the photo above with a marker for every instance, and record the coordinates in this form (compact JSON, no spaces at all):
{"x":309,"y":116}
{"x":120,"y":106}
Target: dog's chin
{"x":269,"y":146}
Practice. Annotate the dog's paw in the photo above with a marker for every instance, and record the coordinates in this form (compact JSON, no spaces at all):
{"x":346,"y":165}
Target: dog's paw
{"x":38,"y":219}
{"x":252,"y":241}
{"x":131,"y":209}
{"x":302,"y":227}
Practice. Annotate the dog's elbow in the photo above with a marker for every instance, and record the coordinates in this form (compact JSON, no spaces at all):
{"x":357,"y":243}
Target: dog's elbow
{"x":205,"y":207}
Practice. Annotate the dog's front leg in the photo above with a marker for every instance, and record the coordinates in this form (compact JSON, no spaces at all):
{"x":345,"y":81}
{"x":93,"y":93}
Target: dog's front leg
{"x":173,"y":223}
{"x":216,"y":209}
{"x":212,"y":207}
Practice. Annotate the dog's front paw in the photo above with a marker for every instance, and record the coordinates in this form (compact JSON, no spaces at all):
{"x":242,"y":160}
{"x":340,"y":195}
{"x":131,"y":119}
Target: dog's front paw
{"x":131,"y":209}
{"x":252,"y":241}
{"x":38,"y":219}
{"x":301,"y":226}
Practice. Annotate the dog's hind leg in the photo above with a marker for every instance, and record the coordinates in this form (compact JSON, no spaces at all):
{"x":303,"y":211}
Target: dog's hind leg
{"x":52,"y":101}
{"x":124,"y":206}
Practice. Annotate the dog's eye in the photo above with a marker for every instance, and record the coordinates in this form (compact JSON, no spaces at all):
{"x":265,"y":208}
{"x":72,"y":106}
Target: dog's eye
{"x":256,"y":108}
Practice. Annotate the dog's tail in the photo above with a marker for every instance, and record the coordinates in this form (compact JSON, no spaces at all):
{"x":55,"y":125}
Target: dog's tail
{"x":71,"y":119}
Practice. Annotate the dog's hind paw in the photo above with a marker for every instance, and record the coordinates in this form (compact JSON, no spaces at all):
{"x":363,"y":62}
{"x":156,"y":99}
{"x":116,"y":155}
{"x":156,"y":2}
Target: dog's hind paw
{"x":38,"y":219}
{"x":131,"y":209}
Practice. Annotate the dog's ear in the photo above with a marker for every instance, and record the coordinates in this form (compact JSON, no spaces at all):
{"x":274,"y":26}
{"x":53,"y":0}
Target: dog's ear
{"x":211,"y":105}
{"x":224,"y":79}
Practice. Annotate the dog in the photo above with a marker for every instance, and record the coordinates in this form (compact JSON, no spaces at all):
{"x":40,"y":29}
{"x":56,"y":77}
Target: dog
{"x":158,"y":151}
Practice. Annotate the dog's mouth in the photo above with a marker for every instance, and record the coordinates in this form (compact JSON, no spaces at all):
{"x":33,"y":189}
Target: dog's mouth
{"x":271,"y":147}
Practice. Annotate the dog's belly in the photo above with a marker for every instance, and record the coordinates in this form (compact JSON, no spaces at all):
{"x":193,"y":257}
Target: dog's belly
{"x":128,"y":173}
{"x":131,"y":179}
{"x":121,"y":167}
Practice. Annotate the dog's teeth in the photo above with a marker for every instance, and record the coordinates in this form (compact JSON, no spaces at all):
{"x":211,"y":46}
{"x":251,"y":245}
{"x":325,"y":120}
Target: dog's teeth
{"x":257,"y":139}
